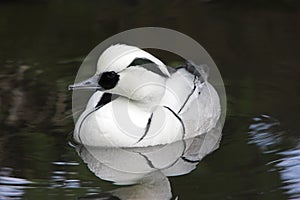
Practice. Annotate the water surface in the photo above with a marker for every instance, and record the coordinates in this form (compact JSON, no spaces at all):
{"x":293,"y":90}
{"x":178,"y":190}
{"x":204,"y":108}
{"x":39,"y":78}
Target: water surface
{"x":255,"y":44}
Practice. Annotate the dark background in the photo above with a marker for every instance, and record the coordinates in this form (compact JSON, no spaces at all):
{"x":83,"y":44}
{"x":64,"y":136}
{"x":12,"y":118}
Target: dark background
{"x":254,"y":43}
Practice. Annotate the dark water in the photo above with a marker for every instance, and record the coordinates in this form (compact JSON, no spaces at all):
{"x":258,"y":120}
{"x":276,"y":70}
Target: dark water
{"x":254,"y":43}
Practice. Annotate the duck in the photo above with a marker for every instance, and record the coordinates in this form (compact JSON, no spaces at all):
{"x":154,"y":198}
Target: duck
{"x":139,"y":101}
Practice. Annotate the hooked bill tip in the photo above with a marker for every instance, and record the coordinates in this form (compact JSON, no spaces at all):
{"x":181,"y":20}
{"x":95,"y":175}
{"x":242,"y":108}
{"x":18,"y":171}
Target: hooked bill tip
{"x":70,"y":87}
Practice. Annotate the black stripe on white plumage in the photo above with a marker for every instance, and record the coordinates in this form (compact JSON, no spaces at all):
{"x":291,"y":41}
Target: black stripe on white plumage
{"x":153,"y":105}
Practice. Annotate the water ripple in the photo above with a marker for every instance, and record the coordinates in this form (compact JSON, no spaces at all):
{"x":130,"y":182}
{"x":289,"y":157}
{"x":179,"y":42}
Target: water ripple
{"x":265,"y":132}
{"x":289,"y":167}
{"x":268,"y":135}
{"x":11,"y":187}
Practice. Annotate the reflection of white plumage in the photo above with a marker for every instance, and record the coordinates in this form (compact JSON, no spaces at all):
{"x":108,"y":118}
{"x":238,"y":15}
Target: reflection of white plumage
{"x":138,"y":102}
{"x":147,"y":168}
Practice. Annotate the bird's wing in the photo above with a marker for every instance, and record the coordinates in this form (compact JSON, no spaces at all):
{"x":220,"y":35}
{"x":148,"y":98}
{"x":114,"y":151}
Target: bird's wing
{"x":192,"y":98}
{"x":183,"y":87}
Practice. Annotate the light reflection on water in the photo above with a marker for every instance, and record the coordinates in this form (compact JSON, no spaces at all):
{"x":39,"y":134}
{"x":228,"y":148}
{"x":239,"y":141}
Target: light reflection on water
{"x":264,"y":132}
{"x":281,"y":155}
{"x":289,"y":168}
{"x":144,"y":169}
{"x":11,"y":187}
{"x":148,"y":167}
{"x":268,"y":135}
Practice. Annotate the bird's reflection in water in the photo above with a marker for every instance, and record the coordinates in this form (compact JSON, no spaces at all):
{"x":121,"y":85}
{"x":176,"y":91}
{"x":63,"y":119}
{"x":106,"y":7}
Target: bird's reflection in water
{"x":146,"y":169}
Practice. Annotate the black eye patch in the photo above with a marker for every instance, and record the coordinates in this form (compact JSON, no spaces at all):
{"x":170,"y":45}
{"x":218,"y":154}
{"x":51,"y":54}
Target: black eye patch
{"x":108,"y":80}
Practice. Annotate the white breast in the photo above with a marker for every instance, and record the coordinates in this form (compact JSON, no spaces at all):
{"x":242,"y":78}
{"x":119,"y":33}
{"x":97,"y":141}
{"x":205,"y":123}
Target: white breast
{"x":123,"y":123}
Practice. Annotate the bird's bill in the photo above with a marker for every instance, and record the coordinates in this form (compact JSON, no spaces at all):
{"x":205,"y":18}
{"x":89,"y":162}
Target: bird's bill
{"x":89,"y":84}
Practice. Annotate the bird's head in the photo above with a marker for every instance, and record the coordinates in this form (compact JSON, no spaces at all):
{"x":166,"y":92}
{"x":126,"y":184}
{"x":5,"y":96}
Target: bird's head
{"x":128,"y":71}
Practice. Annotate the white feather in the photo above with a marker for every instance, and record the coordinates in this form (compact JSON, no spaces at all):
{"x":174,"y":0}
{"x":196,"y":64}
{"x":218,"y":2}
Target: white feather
{"x":151,"y":109}
{"x":119,"y":56}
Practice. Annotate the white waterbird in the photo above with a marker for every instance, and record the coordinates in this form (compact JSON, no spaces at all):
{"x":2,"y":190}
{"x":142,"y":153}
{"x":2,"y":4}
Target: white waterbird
{"x":139,"y":101}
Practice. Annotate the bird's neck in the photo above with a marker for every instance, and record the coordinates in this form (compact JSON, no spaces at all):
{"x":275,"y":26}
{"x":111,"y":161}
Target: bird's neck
{"x":148,"y":97}
{"x":143,"y":88}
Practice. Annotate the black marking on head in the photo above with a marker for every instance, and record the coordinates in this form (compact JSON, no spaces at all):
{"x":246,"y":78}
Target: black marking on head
{"x":147,"y":129}
{"x":147,"y":64}
{"x":108,"y":80}
{"x":140,"y":61}
{"x":180,"y":120}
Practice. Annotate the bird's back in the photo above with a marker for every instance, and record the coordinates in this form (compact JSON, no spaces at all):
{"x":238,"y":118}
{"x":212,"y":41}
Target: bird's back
{"x":192,"y":98}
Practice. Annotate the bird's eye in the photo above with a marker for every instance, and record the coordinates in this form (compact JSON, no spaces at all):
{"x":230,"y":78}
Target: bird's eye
{"x":108,"y":80}
{"x":110,"y":75}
